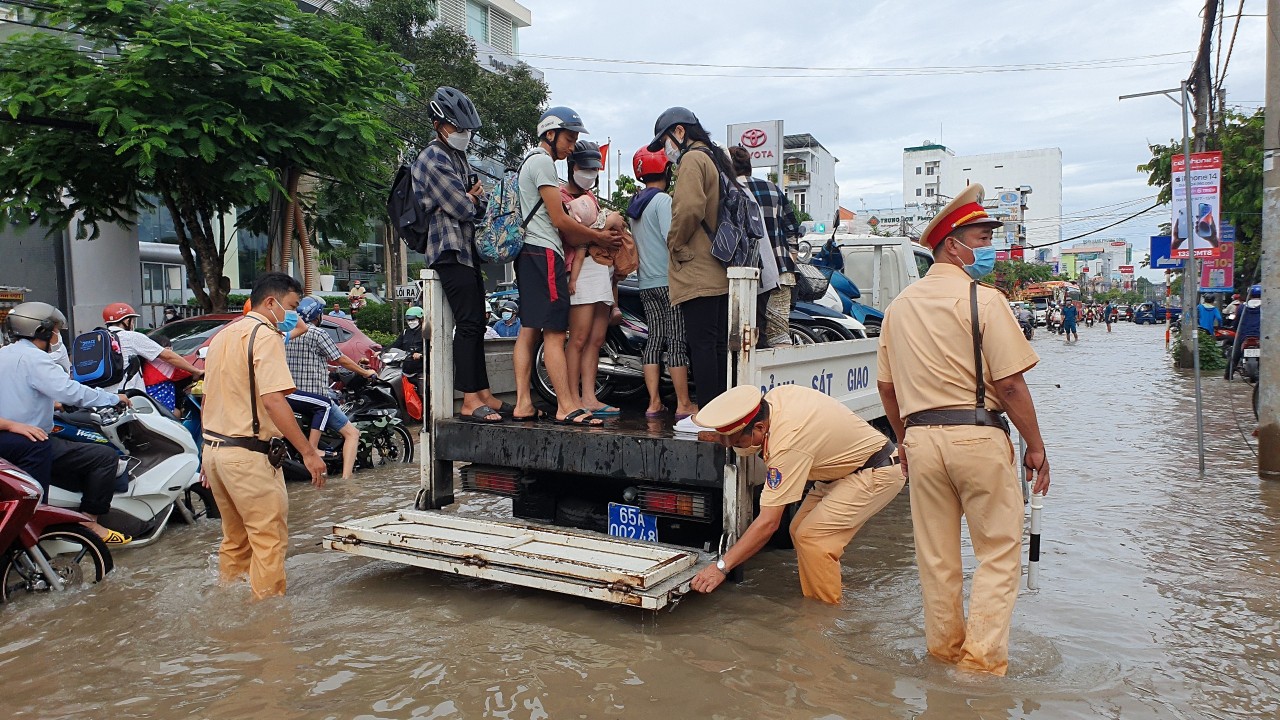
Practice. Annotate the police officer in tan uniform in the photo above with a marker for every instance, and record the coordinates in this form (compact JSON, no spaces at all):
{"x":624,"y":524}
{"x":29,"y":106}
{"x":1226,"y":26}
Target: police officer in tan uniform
{"x":954,"y":436}
{"x":805,"y":437}
{"x":243,"y":414}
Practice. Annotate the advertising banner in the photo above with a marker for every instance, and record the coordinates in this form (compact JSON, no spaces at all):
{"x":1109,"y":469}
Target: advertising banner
{"x":1160,"y":254}
{"x":1218,"y":274}
{"x":762,"y":139}
{"x":1206,"y":187}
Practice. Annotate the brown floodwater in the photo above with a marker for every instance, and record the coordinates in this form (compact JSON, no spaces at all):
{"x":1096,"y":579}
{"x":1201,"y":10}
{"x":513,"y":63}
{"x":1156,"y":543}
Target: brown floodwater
{"x":1160,"y":598}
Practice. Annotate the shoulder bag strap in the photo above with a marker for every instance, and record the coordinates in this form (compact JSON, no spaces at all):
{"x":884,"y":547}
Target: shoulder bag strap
{"x":253,"y":380}
{"x":538,"y":205}
{"x":981,"y":392}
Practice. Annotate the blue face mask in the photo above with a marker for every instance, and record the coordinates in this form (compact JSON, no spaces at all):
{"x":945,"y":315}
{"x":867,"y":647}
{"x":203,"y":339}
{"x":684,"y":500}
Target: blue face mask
{"x":289,"y":323}
{"x":984,"y":262}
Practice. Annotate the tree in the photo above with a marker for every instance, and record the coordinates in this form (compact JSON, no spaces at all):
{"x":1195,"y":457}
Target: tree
{"x":1012,"y":276}
{"x":1239,"y":137}
{"x":198,"y":103}
{"x":625,"y":188}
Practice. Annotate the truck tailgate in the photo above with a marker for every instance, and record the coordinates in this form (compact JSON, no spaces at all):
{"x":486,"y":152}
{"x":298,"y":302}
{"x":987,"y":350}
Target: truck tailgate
{"x":574,"y":562}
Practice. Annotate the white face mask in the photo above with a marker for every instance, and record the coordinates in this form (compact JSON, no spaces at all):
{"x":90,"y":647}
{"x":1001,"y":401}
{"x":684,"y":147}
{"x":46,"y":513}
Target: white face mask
{"x":413,"y":324}
{"x":673,"y":152}
{"x":749,"y":451}
{"x":460,"y":140}
{"x":585,"y":179}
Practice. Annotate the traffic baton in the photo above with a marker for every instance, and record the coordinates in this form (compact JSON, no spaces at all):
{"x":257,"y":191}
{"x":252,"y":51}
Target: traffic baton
{"x":1033,"y":555}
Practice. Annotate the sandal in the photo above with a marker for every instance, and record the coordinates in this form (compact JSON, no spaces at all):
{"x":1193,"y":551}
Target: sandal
{"x":538,"y":416}
{"x":507,"y":409}
{"x":484,"y":415}
{"x":116,"y":538}
{"x":606,"y":411}
{"x":580,"y":417}
{"x":655,"y":413}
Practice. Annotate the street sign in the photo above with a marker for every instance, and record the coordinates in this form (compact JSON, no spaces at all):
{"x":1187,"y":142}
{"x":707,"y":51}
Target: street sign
{"x":1126,"y":269}
{"x":1160,"y":259}
{"x":762,"y":139}
{"x":408,"y":292}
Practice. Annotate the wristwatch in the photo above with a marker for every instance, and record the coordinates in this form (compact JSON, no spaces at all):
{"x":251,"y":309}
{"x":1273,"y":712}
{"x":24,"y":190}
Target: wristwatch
{"x":720,"y":566}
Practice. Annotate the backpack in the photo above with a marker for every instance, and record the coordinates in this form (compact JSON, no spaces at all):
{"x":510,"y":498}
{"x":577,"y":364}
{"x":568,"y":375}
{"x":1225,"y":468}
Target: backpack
{"x":408,"y":220}
{"x":739,"y":224}
{"x":96,"y":359}
{"x":501,"y":235}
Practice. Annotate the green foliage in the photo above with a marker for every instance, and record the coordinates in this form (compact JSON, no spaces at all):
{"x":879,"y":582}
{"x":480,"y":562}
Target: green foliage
{"x":1210,"y":353}
{"x":802,"y":216}
{"x":626,"y":188}
{"x":1011,"y":275}
{"x":382,"y":338}
{"x":1239,"y":137}
{"x":199,"y":103}
{"x":378,"y":317}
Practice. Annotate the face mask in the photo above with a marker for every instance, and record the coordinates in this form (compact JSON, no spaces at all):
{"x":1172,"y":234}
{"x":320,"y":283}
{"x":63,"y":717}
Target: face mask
{"x":413,"y":324}
{"x":585,"y":179}
{"x":984,"y":261}
{"x":1208,"y":303}
{"x":289,"y":323}
{"x":459,"y":140}
{"x":508,"y":315}
{"x":749,"y":451}
{"x":673,"y":152}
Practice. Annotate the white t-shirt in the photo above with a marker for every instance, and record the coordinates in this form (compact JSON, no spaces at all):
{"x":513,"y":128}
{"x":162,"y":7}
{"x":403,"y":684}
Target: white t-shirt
{"x":539,"y":171}
{"x":135,"y":344}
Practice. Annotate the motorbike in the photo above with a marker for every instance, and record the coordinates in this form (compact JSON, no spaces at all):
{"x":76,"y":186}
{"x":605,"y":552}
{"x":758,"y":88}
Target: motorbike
{"x":160,"y":463}
{"x":371,"y":405}
{"x":825,"y":324}
{"x":392,"y":373}
{"x":1088,"y":320}
{"x":1250,"y":354}
{"x":1226,"y":339}
{"x":44,"y":548}
{"x":1028,"y":328}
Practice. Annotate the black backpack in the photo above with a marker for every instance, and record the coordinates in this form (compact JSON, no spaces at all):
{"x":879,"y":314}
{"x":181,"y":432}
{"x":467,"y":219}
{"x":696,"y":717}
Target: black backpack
{"x":408,"y":220}
{"x":96,"y":359}
{"x":739,"y":224}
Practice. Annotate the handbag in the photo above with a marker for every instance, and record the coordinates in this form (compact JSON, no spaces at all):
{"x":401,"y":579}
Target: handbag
{"x":811,"y":283}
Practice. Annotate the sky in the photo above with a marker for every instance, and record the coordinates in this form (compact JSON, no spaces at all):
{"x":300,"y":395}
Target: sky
{"x":866,"y":115}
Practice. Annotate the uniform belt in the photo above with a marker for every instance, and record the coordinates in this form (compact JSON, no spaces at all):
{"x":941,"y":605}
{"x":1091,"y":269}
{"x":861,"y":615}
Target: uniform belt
{"x":248,"y":443}
{"x":978,"y":417}
{"x":882,"y":458}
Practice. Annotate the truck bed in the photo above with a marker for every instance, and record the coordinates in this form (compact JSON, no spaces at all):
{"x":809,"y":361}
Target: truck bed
{"x":626,"y":447}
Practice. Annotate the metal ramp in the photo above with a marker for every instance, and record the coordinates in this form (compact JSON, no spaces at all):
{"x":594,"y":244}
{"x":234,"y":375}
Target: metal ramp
{"x":585,"y":564}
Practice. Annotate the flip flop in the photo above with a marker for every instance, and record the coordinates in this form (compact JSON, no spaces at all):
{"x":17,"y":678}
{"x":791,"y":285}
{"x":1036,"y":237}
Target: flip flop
{"x":507,"y":409}
{"x":538,"y":415}
{"x":573,"y":419}
{"x":681,"y":416}
{"x":484,"y":415}
{"x":606,"y":411}
{"x":116,"y":538}
{"x":655,"y":413}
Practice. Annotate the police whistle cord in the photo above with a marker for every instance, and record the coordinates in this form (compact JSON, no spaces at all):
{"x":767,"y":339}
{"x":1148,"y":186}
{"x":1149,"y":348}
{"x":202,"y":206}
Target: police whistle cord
{"x":1033,"y":554}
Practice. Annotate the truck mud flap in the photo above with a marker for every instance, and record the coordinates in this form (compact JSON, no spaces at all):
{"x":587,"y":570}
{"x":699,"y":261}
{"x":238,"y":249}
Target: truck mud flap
{"x":572,"y":562}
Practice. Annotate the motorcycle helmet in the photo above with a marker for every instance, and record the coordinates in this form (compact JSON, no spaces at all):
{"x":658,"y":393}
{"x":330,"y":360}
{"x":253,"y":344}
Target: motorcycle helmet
{"x":509,"y":306}
{"x":647,"y":163}
{"x":586,"y":156}
{"x":413,"y":312}
{"x":1255,"y":291}
{"x":310,"y":310}
{"x":669,"y":118}
{"x":34,"y":321}
{"x":455,"y":108}
{"x":560,"y":118}
{"x":118,"y":312}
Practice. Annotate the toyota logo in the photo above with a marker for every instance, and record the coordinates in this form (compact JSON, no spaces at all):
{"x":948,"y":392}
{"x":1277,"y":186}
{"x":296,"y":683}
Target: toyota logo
{"x":754,"y":138}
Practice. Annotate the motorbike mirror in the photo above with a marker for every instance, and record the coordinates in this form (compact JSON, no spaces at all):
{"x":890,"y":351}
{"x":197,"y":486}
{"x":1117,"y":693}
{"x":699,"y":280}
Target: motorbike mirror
{"x":804,"y":251}
{"x":203,"y":352}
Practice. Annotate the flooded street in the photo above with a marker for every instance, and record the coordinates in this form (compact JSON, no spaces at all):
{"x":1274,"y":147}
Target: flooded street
{"x":1160,"y":598}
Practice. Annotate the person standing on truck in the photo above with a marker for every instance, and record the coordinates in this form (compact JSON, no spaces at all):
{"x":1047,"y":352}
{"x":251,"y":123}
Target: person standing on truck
{"x":804,"y":436}
{"x":454,"y":199}
{"x":541,"y":275}
{"x":650,"y":216}
{"x":697,"y":281}
{"x":783,"y":229}
{"x":951,"y":363}
{"x":246,"y":410}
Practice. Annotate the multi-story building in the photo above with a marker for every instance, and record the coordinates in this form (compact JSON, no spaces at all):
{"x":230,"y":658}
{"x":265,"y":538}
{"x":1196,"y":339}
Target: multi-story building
{"x":809,"y":172}
{"x":1100,"y":258}
{"x":932,"y":174}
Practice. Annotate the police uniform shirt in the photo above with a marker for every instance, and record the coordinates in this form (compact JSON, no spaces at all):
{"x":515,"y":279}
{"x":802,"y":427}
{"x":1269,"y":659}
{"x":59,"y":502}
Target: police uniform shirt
{"x":811,"y":437}
{"x":926,"y":347}
{"x":227,"y":409}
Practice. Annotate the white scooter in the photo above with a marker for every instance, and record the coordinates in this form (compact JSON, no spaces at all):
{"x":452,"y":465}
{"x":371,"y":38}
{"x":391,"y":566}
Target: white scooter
{"x":159,"y":461}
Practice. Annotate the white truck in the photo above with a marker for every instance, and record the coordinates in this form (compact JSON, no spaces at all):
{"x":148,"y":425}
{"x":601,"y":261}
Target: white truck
{"x":626,"y":513}
{"x":880,"y":266}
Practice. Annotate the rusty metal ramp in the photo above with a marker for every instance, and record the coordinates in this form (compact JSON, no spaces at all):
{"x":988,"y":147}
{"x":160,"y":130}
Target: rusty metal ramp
{"x":572,"y":562}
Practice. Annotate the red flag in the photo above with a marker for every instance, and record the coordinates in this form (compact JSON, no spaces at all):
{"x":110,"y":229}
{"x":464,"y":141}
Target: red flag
{"x":604,"y":155}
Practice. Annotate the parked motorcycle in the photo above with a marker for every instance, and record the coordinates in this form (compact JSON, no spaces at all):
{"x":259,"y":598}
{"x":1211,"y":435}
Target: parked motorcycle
{"x":372,"y":407}
{"x":392,"y":373}
{"x":44,"y":548}
{"x":160,"y":463}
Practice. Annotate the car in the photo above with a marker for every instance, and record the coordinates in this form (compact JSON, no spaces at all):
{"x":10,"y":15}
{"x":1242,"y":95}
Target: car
{"x":1152,"y":313}
{"x":1125,"y":312}
{"x":190,"y":334}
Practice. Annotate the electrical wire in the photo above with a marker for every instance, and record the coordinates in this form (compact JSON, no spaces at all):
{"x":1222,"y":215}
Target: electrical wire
{"x":840,"y":76}
{"x":1095,"y":231}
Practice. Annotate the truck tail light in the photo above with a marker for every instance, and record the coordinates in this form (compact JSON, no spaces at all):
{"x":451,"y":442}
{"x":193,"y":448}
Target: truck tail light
{"x":675,"y":503}
{"x":492,"y":480}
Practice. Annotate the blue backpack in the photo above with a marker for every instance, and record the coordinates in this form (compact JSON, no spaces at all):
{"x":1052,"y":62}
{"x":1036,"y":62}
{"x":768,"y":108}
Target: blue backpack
{"x":739,"y":224}
{"x":501,"y":235}
{"x":96,"y":359}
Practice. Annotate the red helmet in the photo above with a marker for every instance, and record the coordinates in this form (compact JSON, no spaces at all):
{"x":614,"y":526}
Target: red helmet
{"x":649,"y":163}
{"x":116,"y":312}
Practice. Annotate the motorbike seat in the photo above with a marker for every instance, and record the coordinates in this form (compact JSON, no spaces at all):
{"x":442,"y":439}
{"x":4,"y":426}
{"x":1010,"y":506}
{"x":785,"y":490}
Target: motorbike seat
{"x":164,"y":411}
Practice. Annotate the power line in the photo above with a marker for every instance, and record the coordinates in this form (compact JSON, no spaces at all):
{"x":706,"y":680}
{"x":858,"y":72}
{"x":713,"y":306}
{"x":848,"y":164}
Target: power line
{"x":1095,"y":231}
{"x":844,"y":76}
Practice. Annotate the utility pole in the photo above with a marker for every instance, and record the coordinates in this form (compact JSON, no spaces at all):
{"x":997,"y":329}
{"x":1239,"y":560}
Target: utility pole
{"x":1269,"y":370}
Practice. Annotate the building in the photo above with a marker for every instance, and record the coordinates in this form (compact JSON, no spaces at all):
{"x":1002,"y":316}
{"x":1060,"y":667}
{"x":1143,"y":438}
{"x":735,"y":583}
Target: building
{"x":809,"y":173}
{"x":932,"y":174}
{"x":1099,"y":259}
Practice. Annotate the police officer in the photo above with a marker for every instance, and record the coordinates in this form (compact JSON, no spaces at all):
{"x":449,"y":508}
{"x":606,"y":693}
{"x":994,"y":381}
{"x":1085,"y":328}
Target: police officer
{"x":954,"y":437}
{"x":805,"y":437}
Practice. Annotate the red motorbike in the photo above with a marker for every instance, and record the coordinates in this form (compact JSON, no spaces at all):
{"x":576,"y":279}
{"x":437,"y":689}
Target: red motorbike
{"x":44,"y":548}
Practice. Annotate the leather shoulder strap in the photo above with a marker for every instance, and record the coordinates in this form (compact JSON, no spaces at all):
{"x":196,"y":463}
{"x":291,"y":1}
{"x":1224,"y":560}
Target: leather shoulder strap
{"x":253,"y":379}
{"x":981,"y":392}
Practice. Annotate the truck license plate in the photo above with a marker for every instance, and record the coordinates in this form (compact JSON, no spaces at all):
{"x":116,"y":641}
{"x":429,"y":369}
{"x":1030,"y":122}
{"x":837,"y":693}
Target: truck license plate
{"x":1253,"y":352}
{"x":626,"y":521}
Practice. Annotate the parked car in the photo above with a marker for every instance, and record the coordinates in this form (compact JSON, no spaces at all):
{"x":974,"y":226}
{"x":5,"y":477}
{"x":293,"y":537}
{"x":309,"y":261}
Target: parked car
{"x":1152,"y":313}
{"x":1124,"y":312}
{"x":191,"y":334}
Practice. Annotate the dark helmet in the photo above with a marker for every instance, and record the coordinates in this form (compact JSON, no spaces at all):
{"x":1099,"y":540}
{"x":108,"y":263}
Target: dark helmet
{"x":310,"y":309}
{"x":586,"y":156}
{"x":560,"y":118}
{"x":510,"y":306}
{"x":669,"y":118}
{"x":34,"y":321}
{"x":455,"y":108}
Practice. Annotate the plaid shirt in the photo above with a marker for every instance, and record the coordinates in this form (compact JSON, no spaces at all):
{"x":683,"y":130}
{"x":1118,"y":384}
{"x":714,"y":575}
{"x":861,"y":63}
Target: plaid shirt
{"x":308,"y":356}
{"x":440,"y":181}
{"x":779,"y":220}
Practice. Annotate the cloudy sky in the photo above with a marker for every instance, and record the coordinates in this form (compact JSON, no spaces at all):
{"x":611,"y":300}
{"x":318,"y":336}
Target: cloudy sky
{"x":866,"y":114}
